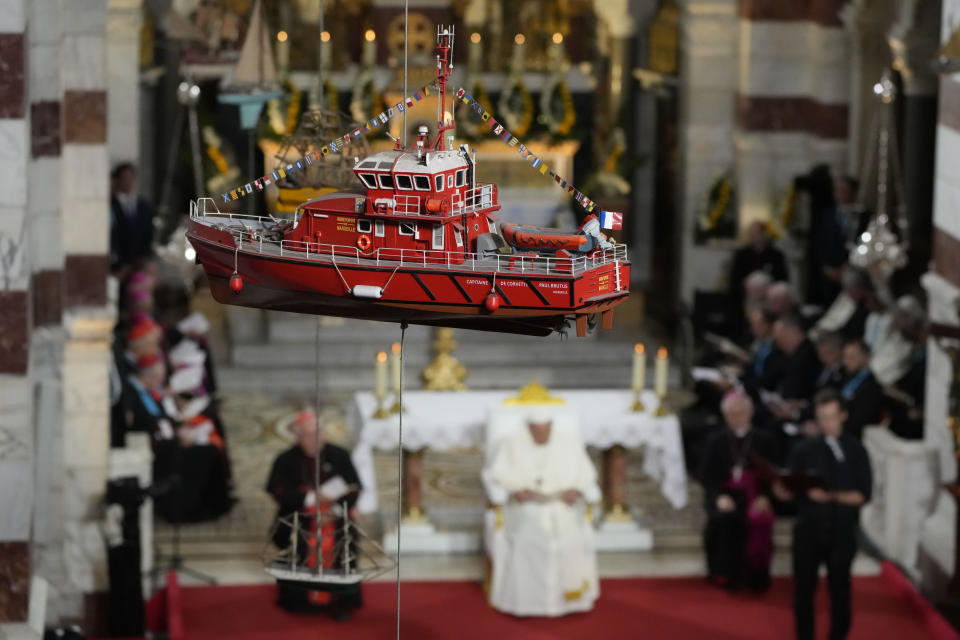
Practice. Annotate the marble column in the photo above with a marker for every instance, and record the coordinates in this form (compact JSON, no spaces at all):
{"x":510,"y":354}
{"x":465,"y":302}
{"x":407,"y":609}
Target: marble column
{"x":938,"y":544}
{"x":914,"y":41}
{"x":16,"y":408}
{"x":792,"y":98}
{"x":124,"y":21}
{"x":708,"y":86}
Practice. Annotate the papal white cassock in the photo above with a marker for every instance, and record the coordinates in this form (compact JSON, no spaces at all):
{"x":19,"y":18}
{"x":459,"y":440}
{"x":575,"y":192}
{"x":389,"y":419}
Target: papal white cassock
{"x":542,"y":552}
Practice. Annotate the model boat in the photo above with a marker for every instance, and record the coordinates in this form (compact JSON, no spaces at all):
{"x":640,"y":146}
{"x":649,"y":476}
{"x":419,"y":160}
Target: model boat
{"x":417,"y":241}
{"x":254,"y":79}
{"x":325,"y":555}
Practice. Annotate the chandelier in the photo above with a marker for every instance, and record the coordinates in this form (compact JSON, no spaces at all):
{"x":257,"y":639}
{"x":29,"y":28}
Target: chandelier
{"x":878,"y":249}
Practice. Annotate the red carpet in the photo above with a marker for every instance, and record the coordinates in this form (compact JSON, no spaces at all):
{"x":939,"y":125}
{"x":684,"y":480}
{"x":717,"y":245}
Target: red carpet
{"x":672,"y":608}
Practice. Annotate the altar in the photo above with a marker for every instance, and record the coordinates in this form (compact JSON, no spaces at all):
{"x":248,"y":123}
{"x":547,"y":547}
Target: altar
{"x":457,"y":420}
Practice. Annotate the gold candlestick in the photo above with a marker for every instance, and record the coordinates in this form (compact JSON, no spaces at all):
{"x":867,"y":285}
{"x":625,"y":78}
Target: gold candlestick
{"x":381,"y":411}
{"x":637,"y":403}
{"x":660,"y":381}
{"x":661,"y":410}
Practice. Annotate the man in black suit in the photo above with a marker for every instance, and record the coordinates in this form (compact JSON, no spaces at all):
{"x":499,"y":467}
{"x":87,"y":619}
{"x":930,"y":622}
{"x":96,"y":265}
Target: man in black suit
{"x":801,"y":365}
{"x":131,"y":219}
{"x":861,"y":392}
{"x":830,"y":354}
{"x":758,"y":255}
{"x":827,"y":516}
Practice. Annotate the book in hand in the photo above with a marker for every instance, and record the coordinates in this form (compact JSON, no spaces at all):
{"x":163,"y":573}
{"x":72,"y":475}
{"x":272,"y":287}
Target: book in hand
{"x":795,"y":483}
{"x":727,"y":346}
{"x":334,"y":489}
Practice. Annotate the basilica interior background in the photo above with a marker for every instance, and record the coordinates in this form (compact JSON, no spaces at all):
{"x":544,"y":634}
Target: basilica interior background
{"x":691,"y":117}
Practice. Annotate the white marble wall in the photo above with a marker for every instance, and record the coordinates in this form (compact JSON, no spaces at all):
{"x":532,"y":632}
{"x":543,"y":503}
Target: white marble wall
{"x":16,"y":457}
{"x":793,"y":58}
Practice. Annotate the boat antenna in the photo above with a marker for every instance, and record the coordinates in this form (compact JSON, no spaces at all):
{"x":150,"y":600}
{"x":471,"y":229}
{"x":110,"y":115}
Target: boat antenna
{"x":444,"y":67}
{"x":320,"y":61}
{"x":406,"y":26}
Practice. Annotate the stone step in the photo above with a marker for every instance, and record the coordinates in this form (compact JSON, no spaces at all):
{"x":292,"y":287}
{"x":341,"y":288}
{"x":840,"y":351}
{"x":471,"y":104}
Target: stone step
{"x":299,"y":379}
{"x":300,"y":329}
{"x":570,"y":353}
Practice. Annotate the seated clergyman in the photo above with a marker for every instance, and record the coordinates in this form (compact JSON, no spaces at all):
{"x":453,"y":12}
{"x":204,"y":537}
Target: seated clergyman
{"x":292,"y":484}
{"x":739,"y":535}
{"x":543,"y":558}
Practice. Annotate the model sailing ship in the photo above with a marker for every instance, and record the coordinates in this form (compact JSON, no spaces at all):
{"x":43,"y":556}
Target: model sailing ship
{"x":328,"y":551}
{"x":420,"y":242}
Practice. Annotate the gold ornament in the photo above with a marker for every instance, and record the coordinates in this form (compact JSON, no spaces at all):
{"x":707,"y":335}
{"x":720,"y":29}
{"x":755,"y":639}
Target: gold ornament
{"x":445,"y":373}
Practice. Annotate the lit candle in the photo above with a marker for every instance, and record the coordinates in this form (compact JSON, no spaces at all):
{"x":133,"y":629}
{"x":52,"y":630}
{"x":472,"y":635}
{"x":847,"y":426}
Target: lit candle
{"x":283,"y":52}
{"x":639,"y":367}
{"x":381,"y":375}
{"x":660,"y":377}
{"x":369,"y":57}
{"x":395,"y":367}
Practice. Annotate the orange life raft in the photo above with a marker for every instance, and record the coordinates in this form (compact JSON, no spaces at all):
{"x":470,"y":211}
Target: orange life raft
{"x":528,"y":237}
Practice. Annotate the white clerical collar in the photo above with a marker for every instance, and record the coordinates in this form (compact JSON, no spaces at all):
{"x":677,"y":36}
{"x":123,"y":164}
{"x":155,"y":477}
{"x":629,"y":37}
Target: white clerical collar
{"x":834,"y":447}
{"x":742,"y":433}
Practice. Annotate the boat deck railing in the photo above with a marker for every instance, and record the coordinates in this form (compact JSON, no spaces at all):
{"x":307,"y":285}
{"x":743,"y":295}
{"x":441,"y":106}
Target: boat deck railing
{"x":252,"y":239}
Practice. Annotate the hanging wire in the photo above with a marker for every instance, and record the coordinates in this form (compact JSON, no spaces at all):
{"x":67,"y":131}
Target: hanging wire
{"x":403,"y":332}
{"x":406,"y":25}
{"x":316,"y":458}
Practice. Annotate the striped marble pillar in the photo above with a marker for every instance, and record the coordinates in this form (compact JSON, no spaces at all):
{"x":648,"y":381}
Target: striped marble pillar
{"x":938,"y":549}
{"x":708,"y":86}
{"x":88,"y":320}
{"x":792,"y":98}
{"x":16,"y":438}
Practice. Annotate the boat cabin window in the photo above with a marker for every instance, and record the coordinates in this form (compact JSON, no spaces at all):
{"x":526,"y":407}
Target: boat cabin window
{"x":385,"y":181}
{"x":378,"y":228}
{"x":422,"y":183}
{"x":403,"y":182}
{"x":450,"y":181}
{"x":408,"y":228}
{"x":364,"y":226}
{"x":461,"y":176}
{"x":438,"y":236}
{"x":369,"y":179}
{"x":458,"y":238}
{"x":368,"y":164}
{"x":439,"y":180}
{"x":385,"y":164}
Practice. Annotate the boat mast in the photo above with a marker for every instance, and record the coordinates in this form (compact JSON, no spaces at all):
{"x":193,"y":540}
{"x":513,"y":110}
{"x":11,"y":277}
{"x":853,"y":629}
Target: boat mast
{"x":444,"y":67}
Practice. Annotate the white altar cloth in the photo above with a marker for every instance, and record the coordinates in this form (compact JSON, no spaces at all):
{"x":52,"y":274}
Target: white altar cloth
{"x":443,"y":420}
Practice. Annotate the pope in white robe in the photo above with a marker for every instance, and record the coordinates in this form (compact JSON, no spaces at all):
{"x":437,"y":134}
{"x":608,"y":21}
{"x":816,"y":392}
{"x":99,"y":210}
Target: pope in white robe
{"x":542,"y":550}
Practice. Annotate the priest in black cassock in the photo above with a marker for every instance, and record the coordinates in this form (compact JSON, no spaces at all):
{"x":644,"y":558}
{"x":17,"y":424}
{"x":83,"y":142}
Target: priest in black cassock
{"x":292,"y":485}
{"x":825,"y":530}
{"x":861,"y":392}
{"x":739,"y":535}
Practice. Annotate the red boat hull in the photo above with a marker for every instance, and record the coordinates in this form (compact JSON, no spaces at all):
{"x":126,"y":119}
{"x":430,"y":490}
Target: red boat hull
{"x":535,"y":304}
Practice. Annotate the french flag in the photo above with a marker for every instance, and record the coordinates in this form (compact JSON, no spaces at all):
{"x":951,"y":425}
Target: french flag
{"x":611,"y":220}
